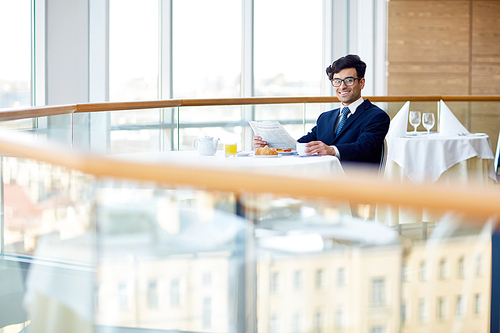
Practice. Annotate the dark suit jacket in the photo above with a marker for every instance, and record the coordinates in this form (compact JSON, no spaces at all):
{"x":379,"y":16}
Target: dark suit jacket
{"x":362,"y":137}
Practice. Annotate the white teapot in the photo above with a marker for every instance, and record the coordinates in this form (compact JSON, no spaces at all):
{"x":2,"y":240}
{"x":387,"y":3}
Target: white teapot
{"x":206,"y":145}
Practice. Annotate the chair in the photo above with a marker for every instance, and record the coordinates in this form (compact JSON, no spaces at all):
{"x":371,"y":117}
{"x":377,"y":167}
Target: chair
{"x":497,"y":158}
{"x":369,"y":208}
{"x":383,"y":159}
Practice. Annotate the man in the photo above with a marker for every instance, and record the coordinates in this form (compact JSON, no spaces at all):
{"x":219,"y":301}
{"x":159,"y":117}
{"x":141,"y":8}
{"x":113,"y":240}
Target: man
{"x":356,"y":130}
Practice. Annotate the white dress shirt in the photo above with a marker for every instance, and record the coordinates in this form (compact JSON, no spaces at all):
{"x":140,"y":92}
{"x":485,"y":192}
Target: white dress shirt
{"x":352,"y":108}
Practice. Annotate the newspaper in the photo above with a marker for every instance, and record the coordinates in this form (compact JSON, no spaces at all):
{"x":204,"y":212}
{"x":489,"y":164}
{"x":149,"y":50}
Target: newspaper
{"x":274,"y":134}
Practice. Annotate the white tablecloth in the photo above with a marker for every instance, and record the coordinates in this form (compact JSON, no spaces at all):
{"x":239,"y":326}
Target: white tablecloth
{"x":311,"y":166}
{"x":435,"y":159}
{"x":426,"y":158}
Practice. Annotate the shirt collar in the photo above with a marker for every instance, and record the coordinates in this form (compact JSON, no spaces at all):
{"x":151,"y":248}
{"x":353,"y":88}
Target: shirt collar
{"x":353,"y":106}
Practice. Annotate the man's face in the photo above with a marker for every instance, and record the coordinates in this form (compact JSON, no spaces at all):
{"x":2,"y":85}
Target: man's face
{"x":348,"y":94}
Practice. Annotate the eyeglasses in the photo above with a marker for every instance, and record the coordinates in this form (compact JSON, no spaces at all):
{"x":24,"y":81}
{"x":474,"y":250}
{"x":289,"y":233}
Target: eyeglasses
{"x":348,"y":81}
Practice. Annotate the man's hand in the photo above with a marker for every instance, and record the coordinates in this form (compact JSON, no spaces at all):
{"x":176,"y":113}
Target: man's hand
{"x":318,"y":147}
{"x":258,"y":142}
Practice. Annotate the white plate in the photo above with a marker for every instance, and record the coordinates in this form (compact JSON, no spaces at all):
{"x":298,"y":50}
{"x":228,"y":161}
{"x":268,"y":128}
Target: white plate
{"x":286,"y":153}
{"x":471,"y":134}
{"x":243,"y":153}
{"x":301,"y":156}
{"x":266,"y":156}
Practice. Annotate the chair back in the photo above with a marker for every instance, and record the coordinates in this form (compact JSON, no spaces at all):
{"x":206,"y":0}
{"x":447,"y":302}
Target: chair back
{"x":497,"y":157}
{"x":383,"y":159}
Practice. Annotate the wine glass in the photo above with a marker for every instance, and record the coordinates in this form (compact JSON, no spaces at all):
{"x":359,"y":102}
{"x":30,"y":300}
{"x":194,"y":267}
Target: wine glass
{"x":415,"y":119}
{"x":428,"y":122}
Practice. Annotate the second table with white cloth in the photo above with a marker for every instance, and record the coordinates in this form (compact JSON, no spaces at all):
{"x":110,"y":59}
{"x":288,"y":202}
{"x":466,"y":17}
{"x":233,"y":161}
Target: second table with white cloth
{"x":422,"y":158}
{"x":448,"y":159}
{"x":451,"y":156}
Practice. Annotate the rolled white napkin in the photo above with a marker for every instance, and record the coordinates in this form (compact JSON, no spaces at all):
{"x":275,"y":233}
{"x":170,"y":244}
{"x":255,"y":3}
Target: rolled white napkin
{"x":448,"y":123}
{"x":399,"y":124}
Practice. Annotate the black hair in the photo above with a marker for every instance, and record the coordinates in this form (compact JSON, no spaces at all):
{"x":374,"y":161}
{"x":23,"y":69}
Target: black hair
{"x":349,"y":61}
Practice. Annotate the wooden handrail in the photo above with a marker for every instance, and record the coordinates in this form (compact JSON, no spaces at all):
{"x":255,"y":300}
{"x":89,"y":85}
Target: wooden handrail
{"x":475,"y":201}
{"x":32,"y":112}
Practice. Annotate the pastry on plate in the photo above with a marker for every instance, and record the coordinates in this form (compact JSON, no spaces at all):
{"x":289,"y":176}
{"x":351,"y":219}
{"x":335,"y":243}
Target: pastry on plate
{"x":266,"y":151}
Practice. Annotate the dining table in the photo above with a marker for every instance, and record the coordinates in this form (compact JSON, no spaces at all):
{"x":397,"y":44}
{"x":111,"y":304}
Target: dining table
{"x":422,"y":158}
{"x":314,"y":167}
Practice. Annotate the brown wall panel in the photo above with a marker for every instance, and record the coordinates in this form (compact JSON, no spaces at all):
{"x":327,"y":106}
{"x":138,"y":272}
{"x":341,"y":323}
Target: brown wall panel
{"x":485,"y":69}
{"x":426,"y":0}
{"x":428,"y":84}
{"x":486,"y":124}
{"x":485,"y":118}
{"x":428,"y":31}
{"x":444,"y":37}
{"x":485,"y":79}
{"x":429,"y":48}
{"x":447,"y":48}
{"x":486,"y":30}
{"x":423,"y":67}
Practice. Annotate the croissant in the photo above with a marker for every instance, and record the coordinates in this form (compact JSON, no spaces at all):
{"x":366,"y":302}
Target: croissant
{"x":266,"y":151}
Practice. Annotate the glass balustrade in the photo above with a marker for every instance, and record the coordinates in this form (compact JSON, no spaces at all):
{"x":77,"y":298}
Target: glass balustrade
{"x":176,"y":128}
{"x":181,"y":126}
{"x":109,"y":255}
{"x":102,"y":254}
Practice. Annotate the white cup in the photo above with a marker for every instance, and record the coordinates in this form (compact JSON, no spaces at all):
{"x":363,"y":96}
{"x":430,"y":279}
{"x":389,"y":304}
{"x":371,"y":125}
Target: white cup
{"x":301,"y":149}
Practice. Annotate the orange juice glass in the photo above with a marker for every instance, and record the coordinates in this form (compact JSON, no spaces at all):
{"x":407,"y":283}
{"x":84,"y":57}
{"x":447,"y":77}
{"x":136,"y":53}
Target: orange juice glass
{"x":230,"y":149}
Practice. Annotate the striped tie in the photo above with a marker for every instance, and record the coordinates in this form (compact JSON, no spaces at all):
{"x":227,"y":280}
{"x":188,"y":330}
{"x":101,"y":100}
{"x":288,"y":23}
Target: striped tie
{"x":345,"y":113}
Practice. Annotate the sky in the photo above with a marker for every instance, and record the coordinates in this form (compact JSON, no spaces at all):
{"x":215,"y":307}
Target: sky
{"x":207,"y":39}
{"x":15,"y":40}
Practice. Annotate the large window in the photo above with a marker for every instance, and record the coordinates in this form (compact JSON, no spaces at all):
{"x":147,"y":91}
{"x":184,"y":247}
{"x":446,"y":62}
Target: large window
{"x":288,"y":47}
{"x":297,"y":280}
{"x":378,"y":292}
{"x":274,"y":282}
{"x":423,"y":271}
{"x":175,"y":293}
{"x":15,"y":57}
{"x":200,"y":57}
{"x":207,"y":312}
{"x":133,"y":52}
{"x":206,"y":48}
{"x":134,"y":72}
{"x":460,"y":308}
{"x":153,"y":295}
{"x":422,"y":310}
{"x":185,"y":49}
{"x":288,"y":58}
{"x":441,"y":308}
{"x":319,"y":278}
{"x":150,"y":49}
